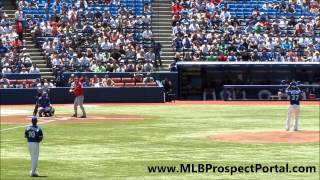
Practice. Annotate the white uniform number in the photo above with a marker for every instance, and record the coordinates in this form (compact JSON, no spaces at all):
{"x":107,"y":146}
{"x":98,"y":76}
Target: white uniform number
{"x":295,"y":97}
{"x":32,"y":134}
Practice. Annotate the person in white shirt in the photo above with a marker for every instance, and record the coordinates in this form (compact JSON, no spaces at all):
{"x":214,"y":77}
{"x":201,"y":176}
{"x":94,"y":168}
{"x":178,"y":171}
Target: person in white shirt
{"x":140,"y":54}
{"x":19,"y":15}
{"x":270,"y":45}
{"x":24,"y":71}
{"x":7,"y":29}
{"x":283,"y":23}
{"x":56,"y":61}
{"x":46,"y":28}
{"x":106,"y":45}
{"x":147,"y":34}
{"x":150,"y":56}
{"x":194,"y":26}
{"x":205,"y":48}
{"x":130,"y":52}
{"x":148,"y":67}
{"x":6,"y":69}
{"x":34,"y":69}
{"x":82,"y":4}
{"x":225,"y":15}
{"x":26,"y":60}
{"x":84,"y":61}
{"x":266,"y":6}
{"x":316,"y":57}
{"x":304,"y":42}
{"x":114,"y":22}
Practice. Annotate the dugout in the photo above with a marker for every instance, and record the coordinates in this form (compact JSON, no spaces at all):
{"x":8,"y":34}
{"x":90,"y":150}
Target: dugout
{"x":204,"y":80}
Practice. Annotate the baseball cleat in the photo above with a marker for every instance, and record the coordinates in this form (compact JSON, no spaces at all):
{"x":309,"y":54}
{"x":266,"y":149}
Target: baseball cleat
{"x":83,"y":116}
{"x":34,"y":175}
{"x":74,"y":115}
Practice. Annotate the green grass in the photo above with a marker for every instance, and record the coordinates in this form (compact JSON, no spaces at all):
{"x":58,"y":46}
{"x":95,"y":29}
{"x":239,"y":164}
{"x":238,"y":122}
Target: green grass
{"x":170,"y":135}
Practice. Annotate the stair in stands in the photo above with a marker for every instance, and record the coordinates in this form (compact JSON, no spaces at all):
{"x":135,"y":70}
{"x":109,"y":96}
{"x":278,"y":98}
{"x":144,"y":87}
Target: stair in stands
{"x":162,"y":30}
{"x":37,"y":56}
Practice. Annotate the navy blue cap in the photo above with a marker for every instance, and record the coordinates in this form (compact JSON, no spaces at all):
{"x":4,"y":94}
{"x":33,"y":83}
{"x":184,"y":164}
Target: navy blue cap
{"x":34,"y":119}
{"x":293,"y":83}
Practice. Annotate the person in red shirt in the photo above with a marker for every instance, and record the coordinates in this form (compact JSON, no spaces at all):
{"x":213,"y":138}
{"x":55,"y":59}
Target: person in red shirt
{"x":77,"y":90}
{"x":16,"y":43}
{"x":176,"y":7}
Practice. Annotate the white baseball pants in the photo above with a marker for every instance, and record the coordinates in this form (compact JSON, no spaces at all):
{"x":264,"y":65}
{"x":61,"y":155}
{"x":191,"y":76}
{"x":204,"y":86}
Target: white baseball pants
{"x":34,"y":153}
{"x":78,"y":101}
{"x":294,"y":111}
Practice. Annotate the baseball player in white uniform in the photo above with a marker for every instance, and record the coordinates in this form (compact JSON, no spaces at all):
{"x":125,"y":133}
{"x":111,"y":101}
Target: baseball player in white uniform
{"x":294,"y":95}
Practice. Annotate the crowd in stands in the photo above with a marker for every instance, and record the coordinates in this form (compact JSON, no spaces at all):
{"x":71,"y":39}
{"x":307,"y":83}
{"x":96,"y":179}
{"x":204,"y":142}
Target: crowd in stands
{"x":81,"y":36}
{"x":26,"y":83}
{"x":13,"y":55}
{"x":206,"y":31}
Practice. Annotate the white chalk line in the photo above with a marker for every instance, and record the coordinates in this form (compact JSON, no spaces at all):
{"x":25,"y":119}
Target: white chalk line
{"x":16,"y":127}
{"x":72,"y":118}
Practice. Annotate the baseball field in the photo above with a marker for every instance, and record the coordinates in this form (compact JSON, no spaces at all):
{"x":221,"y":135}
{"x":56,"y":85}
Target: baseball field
{"x":123,"y":141}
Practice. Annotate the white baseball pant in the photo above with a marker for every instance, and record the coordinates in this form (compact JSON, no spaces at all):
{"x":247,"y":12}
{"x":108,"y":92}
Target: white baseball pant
{"x":78,"y":101}
{"x":294,"y":111}
{"x":34,"y":153}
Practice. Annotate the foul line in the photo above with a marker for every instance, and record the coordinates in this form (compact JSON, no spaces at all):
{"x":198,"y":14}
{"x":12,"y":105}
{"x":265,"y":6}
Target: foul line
{"x":16,"y":127}
{"x":48,"y":121}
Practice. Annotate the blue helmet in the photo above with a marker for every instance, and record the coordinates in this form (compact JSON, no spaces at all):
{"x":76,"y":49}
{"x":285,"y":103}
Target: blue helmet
{"x":34,"y":119}
{"x":293,"y":83}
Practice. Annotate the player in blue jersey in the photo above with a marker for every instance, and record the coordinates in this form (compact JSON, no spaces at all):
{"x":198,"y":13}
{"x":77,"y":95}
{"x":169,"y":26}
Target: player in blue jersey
{"x":294,"y":95}
{"x":34,"y":135}
{"x":44,"y":106}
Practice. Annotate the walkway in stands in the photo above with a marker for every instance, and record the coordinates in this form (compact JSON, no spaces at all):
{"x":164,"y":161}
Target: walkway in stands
{"x":162,"y":29}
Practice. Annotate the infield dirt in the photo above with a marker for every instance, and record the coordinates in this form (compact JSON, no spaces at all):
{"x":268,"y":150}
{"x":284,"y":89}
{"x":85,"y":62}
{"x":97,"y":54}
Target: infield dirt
{"x":269,"y":136}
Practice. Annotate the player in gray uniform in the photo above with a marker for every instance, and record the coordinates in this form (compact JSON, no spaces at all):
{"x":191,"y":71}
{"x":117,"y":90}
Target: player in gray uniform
{"x":34,"y":135}
{"x":294,"y":95}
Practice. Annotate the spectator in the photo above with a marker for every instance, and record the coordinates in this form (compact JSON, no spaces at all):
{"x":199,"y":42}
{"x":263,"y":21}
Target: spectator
{"x":100,"y":69}
{"x":147,"y":34}
{"x":148,"y":78}
{"x":157,"y":52}
{"x":34,"y":69}
{"x":3,"y":49}
{"x":150,"y":56}
{"x":24,"y":71}
{"x":95,"y":82}
{"x":6,"y":69}
{"x":148,"y":67}
{"x":26,"y":60}
{"x":4,"y":82}
{"x":167,"y":85}
{"x":107,"y":82}
{"x":316,"y":57}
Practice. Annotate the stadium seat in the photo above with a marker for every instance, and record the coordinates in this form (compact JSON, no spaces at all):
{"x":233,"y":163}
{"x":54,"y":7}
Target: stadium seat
{"x":127,"y":80}
{"x":140,"y":84}
{"x":118,"y":84}
{"x":116,"y":80}
{"x":129,"y":84}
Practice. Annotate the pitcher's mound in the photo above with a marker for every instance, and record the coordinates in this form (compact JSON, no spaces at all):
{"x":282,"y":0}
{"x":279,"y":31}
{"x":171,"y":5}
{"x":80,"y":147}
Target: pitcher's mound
{"x":269,"y":136}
